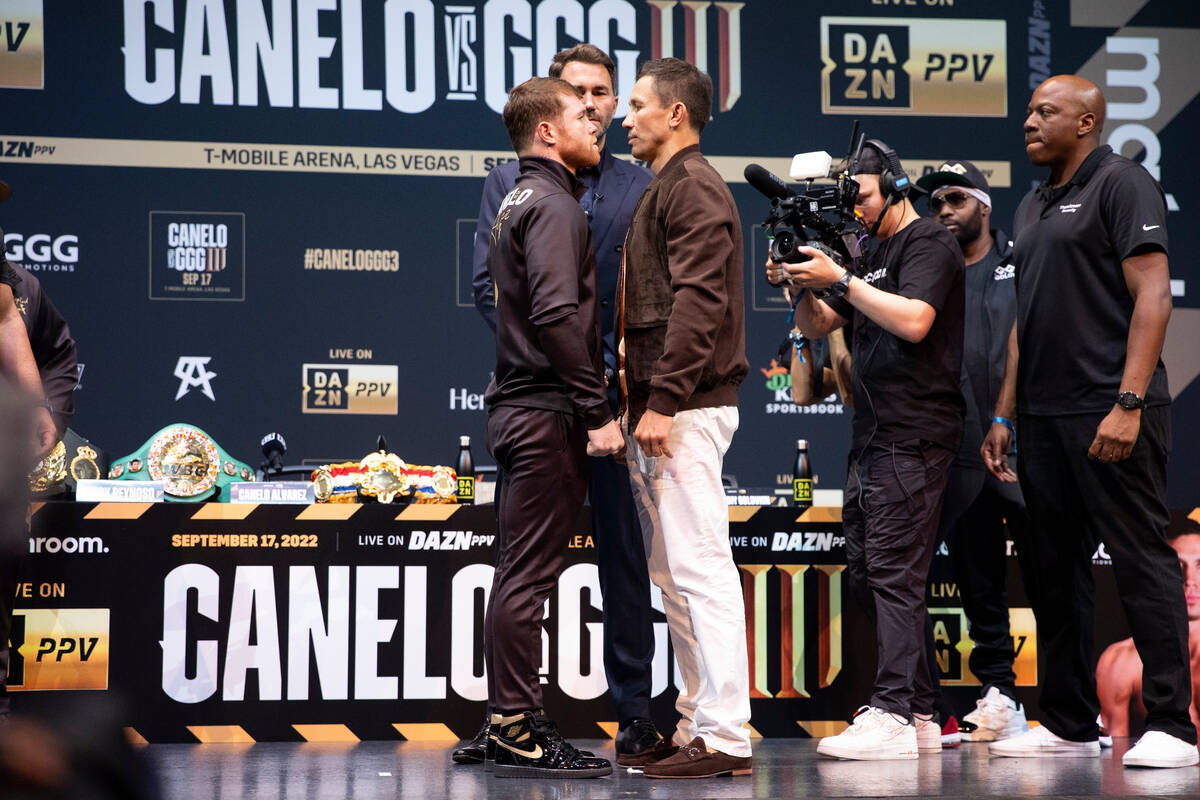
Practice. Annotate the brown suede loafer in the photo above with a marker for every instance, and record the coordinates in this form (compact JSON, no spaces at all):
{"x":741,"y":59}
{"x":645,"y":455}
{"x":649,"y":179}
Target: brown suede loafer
{"x":697,"y":761}
{"x":651,"y":755}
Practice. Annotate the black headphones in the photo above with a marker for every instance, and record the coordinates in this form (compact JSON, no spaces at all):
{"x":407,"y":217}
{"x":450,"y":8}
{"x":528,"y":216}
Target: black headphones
{"x":893,"y":183}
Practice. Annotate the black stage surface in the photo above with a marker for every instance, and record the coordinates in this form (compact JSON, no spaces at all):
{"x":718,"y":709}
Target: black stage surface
{"x":783,"y":768}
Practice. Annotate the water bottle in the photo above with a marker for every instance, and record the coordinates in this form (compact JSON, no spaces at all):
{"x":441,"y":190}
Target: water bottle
{"x":802,"y":476}
{"x":465,"y":470}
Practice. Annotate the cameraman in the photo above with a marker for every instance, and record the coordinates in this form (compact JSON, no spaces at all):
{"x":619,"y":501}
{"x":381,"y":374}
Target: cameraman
{"x":905,"y":309}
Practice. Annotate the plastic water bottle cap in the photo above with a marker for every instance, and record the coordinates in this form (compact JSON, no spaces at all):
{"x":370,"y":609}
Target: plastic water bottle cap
{"x":802,"y":444}
{"x":464,"y":441}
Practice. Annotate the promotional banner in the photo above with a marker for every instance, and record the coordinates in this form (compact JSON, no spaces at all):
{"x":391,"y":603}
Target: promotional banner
{"x":259,"y":215}
{"x":278,"y":623}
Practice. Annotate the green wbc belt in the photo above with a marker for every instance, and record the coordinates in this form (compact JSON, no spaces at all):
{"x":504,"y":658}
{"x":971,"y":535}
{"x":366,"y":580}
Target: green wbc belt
{"x":188,"y":462}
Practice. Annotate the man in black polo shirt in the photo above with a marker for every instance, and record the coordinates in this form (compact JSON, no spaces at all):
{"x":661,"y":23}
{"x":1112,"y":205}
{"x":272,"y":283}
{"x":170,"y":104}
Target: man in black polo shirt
{"x":979,"y":511}
{"x":547,"y":405}
{"x":906,"y":309}
{"x":1093,"y":425}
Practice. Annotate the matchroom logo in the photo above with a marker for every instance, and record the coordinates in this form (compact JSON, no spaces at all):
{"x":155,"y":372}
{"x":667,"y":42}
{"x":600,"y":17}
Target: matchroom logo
{"x":926,"y":67}
{"x":197,"y":255}
{"x":58,"y":649}
{"x":22,"y":45}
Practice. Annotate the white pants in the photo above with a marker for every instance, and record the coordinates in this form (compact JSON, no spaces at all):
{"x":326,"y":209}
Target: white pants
{"x":685,"y":522}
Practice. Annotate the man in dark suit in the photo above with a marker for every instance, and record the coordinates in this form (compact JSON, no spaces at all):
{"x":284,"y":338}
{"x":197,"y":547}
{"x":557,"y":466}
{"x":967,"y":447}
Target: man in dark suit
{"x":613,"y":189}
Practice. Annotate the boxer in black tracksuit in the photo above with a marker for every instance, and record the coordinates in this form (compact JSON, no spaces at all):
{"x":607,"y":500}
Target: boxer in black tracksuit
{"x":547,"y":411}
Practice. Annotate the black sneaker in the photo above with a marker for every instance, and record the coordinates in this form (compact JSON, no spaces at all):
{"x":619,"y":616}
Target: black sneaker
{"x":638,"y":737}
{"x":528,"y":745}
{"x":474,"y":751}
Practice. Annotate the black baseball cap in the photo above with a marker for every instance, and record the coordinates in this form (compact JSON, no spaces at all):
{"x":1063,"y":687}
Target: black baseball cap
{"x":954,"y":173}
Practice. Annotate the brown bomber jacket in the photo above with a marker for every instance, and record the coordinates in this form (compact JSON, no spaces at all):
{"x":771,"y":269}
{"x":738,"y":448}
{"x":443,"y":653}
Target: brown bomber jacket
{"x":684,"y":303}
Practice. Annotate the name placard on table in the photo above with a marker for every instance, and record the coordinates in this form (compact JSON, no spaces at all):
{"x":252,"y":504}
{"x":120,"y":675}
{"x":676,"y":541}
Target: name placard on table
{"x":277,"y":492}
{"x":104,"y":491}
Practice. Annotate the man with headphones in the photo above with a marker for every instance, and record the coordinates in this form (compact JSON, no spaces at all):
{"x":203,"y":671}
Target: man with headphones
{"x":904,"y":303}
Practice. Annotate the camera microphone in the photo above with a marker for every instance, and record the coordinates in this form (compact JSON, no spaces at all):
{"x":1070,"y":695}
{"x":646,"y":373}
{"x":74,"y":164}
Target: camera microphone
{"x":273,"y":448}
{"x":767,"y":182}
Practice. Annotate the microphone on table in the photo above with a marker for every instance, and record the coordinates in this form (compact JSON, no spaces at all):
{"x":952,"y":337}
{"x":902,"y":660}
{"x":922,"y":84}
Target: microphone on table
{"x":273,"y":448}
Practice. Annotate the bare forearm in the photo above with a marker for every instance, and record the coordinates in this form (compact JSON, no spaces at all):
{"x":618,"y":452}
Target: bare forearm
{"x":901,"y":316}
{"x":815,"y":318}
{"x":1006,"y":401}
{"x":16,"y":357}
{"x":1147,"y":330}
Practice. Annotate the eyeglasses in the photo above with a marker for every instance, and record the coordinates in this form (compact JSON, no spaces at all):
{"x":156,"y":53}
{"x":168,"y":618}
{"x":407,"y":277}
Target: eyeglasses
{"x":955,"y":200}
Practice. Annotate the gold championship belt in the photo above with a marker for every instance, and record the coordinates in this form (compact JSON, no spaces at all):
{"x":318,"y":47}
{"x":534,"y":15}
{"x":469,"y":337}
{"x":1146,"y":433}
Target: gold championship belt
{"x":384,"y":477}
{"x":185,"y":460}
{"x":73,"y":459}
{"x":48,"y":476}
{"x":189,"y":463}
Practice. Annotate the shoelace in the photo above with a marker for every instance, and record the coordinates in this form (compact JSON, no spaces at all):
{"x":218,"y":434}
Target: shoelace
{"x":549,"y":731}
{"x":642,"y":727}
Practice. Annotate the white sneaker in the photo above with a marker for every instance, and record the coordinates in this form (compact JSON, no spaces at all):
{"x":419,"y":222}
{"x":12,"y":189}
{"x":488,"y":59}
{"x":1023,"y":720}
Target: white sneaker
{"x":875,"y":735}
{"x":929,"y":733}
{"x":1105,"y":739}
{"x":1040,"y":741}
{"x":996,"y":716}
{"x":1158,"y":749}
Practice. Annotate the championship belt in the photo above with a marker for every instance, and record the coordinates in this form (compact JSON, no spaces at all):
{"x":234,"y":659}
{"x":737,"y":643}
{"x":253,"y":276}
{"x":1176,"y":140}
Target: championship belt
{"x":73,"y":459}
{"x":190,"y":464}
{"x":385,"y":477}
{"x":337,"y":483}
{"x":49,"y":476}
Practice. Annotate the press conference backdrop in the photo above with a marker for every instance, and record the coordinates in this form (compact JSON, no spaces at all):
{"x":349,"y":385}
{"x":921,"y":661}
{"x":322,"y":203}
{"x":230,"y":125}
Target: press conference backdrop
{"x":259,"y":215}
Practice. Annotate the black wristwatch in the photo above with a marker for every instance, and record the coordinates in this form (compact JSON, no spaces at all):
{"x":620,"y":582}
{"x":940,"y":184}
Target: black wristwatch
{"x":1130,"y":401}
{"x":839,"y":287}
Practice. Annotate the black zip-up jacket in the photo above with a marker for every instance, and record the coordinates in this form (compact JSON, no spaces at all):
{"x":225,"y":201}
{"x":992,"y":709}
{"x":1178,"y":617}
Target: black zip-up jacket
{"x":991,"y":309}
{"x":549,"y":351}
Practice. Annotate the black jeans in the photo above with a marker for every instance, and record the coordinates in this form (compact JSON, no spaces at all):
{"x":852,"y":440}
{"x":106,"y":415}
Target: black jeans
{"x":542,"y":457}
{"x":1074,"y":503}
{"x":979,"y":512}
{"x":889,"y":515}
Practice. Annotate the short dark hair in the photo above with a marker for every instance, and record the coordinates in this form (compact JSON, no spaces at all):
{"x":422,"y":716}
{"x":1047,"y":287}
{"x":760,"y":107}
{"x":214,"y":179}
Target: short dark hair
{"x":531,"y":103}
{"x":676,"y":80}
{"x":587,"y":54}
{"x":870,"y":161}
{"x":1183,"y":522}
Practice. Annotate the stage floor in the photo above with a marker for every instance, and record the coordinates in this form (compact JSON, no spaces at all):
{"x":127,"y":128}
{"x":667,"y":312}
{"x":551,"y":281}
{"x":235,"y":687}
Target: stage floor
{"x":783,"y":768}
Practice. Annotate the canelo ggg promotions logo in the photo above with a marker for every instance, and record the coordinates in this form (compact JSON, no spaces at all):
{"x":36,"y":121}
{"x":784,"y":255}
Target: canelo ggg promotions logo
{"x":42,"y":252}
{"x":197,"y":255}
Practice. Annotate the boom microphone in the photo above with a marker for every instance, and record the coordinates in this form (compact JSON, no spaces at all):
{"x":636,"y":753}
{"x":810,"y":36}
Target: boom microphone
{"x":767,"y":182}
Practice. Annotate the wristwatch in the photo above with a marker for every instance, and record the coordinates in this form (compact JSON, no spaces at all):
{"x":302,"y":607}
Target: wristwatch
{"x":839,"y":287}
{"x":1130,"y":401}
